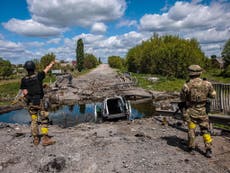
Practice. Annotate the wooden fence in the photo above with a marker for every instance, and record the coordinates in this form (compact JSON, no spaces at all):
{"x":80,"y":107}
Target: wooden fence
{"x":222,"y":101}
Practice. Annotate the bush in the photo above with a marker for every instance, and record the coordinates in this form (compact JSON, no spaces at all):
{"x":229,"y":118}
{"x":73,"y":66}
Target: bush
{"x":167,"y":55}
{"x":116,"y":62}
{"x":6,"y":68}
{"x":90,"y":61}
{"x":226,"y":72}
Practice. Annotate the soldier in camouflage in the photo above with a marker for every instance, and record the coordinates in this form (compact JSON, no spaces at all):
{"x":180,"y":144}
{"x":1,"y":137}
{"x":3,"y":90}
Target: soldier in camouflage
{"x":32,"y":89}
{"x":194,"y":94}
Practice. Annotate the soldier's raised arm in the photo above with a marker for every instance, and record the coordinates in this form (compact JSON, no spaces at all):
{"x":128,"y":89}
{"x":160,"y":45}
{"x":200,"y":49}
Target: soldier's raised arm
{"x":49,"y":67}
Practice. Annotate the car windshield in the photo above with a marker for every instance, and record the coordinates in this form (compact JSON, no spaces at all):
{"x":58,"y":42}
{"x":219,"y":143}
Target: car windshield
{"x":115,"y":106}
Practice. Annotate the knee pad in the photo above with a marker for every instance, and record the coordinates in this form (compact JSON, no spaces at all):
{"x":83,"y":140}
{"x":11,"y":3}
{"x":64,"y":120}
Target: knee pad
{"x":207,"y":138}
{"x":44,"y":130}
{"x":34,"y":117}
{"x":191,"y":125}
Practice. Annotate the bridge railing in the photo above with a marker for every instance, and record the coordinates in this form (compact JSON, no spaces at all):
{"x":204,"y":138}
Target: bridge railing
{"x":222,"y":101}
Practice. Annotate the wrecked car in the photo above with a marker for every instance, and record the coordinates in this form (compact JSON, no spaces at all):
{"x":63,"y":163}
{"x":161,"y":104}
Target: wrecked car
{"x":113,"y":108}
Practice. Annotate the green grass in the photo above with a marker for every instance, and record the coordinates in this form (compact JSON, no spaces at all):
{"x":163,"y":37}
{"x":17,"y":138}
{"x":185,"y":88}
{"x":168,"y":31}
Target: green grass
{"x":49,"y":79}
{"x":8,"y":91}
{"x":77,"y":73}
{"x":173,"y":84}
{"x":213,"y":75}
{"x":162,"y":84}
{"x":221,"y":126}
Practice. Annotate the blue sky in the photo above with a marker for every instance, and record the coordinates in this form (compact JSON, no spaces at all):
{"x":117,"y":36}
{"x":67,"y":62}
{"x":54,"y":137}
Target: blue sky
{"x":31,"y":28}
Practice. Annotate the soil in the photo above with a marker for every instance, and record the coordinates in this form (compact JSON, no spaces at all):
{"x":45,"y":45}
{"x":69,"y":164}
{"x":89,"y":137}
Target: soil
{"x":138,"y":146}
{"x":142,"y":145}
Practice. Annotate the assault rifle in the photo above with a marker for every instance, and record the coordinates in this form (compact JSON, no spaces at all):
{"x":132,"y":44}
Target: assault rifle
{"x":17,"y":98}
{"x":182,"y":106}
{"x":214,"y":118}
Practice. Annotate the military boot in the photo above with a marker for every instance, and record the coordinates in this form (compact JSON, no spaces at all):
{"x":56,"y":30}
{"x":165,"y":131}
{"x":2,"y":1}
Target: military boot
{"x":208,"y":153}
{"x":46,"y":140}
{"x":36,"y":140}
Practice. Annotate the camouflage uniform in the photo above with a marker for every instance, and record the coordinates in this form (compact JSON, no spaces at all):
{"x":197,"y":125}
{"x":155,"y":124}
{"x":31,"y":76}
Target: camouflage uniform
{"x":38,"y":112}
{"x":195,"y":93}
{"x":33,"y":84}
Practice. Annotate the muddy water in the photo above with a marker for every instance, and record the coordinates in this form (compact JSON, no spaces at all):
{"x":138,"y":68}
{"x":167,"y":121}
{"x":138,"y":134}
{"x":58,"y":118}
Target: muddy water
{"x":70,"y":115}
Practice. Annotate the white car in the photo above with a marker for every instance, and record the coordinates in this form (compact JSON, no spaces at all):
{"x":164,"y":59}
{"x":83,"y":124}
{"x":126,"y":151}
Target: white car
{"x":113,"y":107}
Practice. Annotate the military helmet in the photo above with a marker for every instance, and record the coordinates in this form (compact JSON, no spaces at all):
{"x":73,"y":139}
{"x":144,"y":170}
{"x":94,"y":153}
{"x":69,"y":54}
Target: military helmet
{"x":195,"y":70}
{"x":29,"y":66}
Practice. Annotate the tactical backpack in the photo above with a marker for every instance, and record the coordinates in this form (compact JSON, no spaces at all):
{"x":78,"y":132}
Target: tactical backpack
{"x":198,"y":91}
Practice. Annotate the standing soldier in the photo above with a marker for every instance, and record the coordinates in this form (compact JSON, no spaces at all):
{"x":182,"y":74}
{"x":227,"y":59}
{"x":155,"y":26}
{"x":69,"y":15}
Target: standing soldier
{"x":194,"y":94}
{"x":32,"y":89}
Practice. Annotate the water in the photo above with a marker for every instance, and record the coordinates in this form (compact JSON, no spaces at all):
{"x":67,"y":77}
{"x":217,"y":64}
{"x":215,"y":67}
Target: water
{"x":67,"y":116}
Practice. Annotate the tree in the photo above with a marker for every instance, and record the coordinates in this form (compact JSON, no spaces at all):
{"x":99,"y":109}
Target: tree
{"x":80,"y":54}
{"x":37,"y":64}
{"x":213,"y":56}
{"x":226,"y":54}
{"x":46,"y":59}
{"x":99,"y":60}
{"x":115,"y":62}
{"x":90,"y":61}
{"x":166,"y":55}
{"x":6,"y":68}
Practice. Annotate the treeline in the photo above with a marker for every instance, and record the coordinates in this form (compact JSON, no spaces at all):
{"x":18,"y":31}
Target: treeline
{"x":89,"y":61}
{"x":226,"y":57}
{"x":165,"y":55}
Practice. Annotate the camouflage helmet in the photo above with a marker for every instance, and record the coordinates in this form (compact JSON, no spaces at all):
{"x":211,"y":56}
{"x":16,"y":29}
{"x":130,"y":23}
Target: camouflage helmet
{"x":194,"y":70}
{"x":29,"y":66}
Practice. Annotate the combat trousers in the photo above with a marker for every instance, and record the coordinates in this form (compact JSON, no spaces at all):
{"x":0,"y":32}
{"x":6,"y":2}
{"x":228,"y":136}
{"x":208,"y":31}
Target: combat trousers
{"x":196,"y":116}
{"x":204,"y":129}
{"x":37,"y":112}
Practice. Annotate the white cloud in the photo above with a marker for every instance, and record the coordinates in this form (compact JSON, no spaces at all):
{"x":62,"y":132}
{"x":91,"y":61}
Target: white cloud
{"x":210,"y":35}
{"x":98,"y":28}
{"x":31,"y":28}
{"x":54,"y":17}
{"x":33,"y":44}
{"x":208,"y":24}
{"x":128,"y":23}
{"x":75,"y":12}
{"x":100,"y":45}
{"x":54,"y":41}
{"x":212,"y":49}
{"x":15,"y":52}
{"x":187,"y":16}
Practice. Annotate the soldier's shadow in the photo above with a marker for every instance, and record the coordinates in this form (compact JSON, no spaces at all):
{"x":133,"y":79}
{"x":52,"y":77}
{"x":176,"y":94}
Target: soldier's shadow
{"x":180,"y":143}
{"x":176,"y":142}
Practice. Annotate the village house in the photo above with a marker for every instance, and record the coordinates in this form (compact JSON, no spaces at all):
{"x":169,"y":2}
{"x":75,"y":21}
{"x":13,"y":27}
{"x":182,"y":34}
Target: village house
{"x":217,"y":62}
